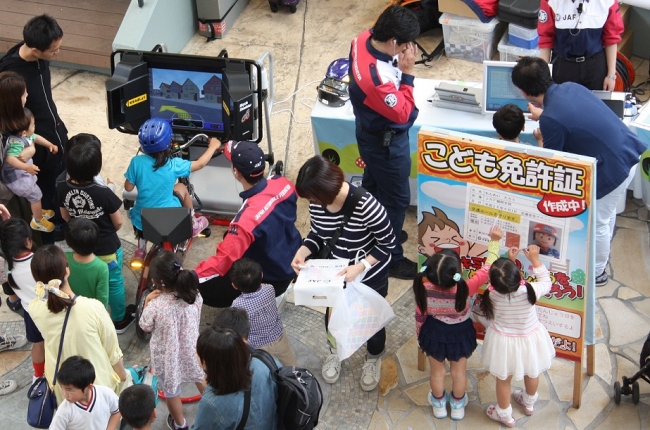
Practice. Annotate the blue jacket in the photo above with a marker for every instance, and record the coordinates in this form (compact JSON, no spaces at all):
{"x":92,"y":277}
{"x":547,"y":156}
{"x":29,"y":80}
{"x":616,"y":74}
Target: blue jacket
{"x":377,"y":101}
{"x":576,"y":121}
{"x":225,"y":412}
{"x":263,"y":230}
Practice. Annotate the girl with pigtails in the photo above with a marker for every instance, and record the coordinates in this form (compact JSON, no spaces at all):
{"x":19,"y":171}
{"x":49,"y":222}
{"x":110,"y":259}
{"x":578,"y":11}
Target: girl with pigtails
{"x":516,"y":344}
{"x":172,"y":313}
{"x":442,"y":322}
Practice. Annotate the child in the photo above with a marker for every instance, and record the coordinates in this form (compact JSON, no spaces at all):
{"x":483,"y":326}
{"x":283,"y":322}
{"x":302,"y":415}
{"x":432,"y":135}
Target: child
{"x":16,"y":245}
{"x":87,"y":406}
{"x":81,"y":197}
{"x":258,"y":300}
{"x":88,"y":274}
{"x":138,"y":406}
{"x":20,"y":177}
{"x":98,"y":179}
{"x":509,"y":121}
{"x":442,"y":322}
{"x":155,"y":174}
{"x":545,"y":237}
{"x":516,"y":344}
{"x":172,"y":314}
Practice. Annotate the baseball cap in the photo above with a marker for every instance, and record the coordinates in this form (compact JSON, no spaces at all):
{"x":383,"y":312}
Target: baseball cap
{"x":247,"y":157}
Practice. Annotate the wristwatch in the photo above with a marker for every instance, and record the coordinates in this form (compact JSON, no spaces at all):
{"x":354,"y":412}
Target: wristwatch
{"x":366,"y":264}
{"x":612,"y":77}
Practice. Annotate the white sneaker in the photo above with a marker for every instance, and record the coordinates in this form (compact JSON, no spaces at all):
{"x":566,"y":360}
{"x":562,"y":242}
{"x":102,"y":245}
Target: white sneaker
{"x":7,"y":386}
{"x":439,"y":405}
{"x":331,"y":369}
{"x":12,"y":341}
{"x":370,"y":374}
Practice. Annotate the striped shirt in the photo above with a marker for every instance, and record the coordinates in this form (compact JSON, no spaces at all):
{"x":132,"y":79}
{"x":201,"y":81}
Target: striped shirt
{"x":266,"y":326}
{"x":513,"y":313}
{"x":368,"y":232}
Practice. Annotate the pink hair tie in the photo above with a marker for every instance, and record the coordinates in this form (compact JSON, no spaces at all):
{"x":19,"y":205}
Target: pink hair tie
{"x":522,"y":282}
{"x":490,"y":288}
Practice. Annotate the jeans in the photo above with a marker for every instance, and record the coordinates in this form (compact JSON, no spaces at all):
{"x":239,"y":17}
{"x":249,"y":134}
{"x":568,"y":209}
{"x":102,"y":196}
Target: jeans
{"x":605,"y":220}
{"x":386,"y":177}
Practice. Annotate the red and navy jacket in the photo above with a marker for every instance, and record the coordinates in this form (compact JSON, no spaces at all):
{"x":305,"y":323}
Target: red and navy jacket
{"x":381,"y":95}
{"x":263,"y":230}
{"x":573,"y":34}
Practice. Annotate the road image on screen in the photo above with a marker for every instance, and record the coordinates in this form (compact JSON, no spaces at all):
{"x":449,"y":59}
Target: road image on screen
{"x":501,"y":91}
{"x":187,"y":99}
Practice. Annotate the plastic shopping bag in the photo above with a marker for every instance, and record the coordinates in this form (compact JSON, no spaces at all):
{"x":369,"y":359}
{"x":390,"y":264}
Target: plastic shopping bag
{"x":363,"y":313}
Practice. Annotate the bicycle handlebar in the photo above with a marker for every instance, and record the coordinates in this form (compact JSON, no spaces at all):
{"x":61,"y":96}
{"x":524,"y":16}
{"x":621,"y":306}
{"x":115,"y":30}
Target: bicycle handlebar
{"x":193,"y":139}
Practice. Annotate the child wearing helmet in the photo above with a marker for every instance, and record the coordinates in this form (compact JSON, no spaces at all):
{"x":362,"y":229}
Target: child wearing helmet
{"x":155,"y":174}
{"x":545,"y":237}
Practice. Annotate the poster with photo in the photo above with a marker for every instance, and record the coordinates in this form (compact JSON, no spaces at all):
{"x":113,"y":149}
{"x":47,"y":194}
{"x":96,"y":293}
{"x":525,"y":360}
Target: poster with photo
{"x":467,"y":184}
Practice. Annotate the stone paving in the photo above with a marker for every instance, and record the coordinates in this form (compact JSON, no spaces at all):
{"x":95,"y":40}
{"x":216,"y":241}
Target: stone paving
{"x":303,"y":45}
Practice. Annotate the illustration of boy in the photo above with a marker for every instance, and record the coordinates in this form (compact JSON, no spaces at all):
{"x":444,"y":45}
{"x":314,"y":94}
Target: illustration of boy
{"x":437,"y":232}
{"x":545,"y":237}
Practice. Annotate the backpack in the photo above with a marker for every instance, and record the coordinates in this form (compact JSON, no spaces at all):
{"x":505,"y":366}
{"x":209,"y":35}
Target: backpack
{"x":299,"y":395}
{"x":142,"y":375}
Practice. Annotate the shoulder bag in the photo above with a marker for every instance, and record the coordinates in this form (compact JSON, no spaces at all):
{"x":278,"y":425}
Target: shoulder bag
{"x":348,"y":208}
{"x":42,"y":401}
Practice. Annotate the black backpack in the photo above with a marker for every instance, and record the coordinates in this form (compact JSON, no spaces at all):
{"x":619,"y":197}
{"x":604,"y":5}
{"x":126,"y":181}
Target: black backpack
{"x":299,"y":395}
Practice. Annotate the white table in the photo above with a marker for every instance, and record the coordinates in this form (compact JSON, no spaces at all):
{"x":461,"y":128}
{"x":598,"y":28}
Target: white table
{"x":334,"y":129}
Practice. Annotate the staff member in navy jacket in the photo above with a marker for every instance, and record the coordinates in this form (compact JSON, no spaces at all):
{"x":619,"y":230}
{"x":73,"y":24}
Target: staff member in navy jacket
{"x":263,"y":230}
{"x":575,"y":120}
{"x":381,"y":91}
{"x":584,"y":35}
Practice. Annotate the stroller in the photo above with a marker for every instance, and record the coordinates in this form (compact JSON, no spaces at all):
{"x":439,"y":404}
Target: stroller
{"x":631,"y":385}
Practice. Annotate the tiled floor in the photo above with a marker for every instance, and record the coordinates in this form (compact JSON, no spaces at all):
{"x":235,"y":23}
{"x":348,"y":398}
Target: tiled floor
{"x":303,"y":45}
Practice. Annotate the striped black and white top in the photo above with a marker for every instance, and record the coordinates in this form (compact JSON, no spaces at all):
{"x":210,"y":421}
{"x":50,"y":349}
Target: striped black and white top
{"x":368,"y":232}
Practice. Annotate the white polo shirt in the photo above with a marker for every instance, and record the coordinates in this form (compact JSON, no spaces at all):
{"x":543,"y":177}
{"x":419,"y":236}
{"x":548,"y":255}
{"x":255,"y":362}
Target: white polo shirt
{"x":92,"y":416}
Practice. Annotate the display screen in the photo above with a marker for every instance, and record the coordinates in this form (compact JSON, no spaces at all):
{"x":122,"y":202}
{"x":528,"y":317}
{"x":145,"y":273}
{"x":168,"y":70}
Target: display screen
{"x":499,"y":89}
{"x":187,"y":99}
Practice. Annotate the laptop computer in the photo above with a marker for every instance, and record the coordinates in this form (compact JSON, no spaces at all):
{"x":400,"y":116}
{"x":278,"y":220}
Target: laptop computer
{"x":459,"y":94}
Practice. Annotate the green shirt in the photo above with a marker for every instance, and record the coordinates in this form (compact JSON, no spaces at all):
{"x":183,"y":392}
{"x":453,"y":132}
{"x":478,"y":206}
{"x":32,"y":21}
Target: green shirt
{"x":89,"y":279}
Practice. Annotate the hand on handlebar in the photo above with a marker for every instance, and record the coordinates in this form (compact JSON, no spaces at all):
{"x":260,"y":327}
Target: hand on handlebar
{"x":214,"y":144}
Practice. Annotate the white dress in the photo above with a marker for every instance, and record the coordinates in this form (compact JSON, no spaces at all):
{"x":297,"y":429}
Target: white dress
{"x":516,"y":343}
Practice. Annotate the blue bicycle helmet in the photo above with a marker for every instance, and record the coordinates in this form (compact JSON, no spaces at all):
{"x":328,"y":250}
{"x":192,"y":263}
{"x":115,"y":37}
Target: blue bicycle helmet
{"x":333,"y":89}
{"x":155,"y":135}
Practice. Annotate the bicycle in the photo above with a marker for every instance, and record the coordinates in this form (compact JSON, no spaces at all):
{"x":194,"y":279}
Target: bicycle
{"x":166,"y":228}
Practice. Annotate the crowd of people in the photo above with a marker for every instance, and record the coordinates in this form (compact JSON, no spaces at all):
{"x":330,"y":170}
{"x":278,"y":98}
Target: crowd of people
{"x":52,"y":188}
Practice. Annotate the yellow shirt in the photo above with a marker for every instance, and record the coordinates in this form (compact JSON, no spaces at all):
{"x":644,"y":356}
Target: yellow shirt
{"x":90,"y":333}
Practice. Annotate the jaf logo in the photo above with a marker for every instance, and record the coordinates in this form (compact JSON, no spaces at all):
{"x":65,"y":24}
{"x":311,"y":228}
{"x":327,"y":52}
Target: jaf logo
{"x":390,"y":100}
{"x":135,"y":100}
{"x":543,"y":16}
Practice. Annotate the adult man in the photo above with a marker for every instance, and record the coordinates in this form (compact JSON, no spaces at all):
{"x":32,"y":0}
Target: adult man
{"x":381,"y":91}
{"x":574,"y":120}
{"x":263,"y":230}
{"x":583,"y":35}
{"x":31,"y":58}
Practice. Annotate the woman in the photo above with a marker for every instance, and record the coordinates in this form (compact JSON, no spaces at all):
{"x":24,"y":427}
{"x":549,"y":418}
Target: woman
{"x":89,"y":333}
{"x":365,"y":241}
{"x":13,"y":96}
{"x":229,"y":372}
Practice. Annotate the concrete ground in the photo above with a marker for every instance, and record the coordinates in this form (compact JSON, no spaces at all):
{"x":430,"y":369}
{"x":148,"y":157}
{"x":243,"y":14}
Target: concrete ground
{"x":303,"y":45}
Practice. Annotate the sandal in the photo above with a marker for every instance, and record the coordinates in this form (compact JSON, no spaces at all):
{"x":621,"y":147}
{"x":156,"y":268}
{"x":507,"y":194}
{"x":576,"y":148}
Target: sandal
{"x":494,"y":415}
{"x":518,"y":395}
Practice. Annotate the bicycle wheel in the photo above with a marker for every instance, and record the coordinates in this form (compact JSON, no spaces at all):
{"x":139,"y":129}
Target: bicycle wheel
{"x":142,"y":335}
